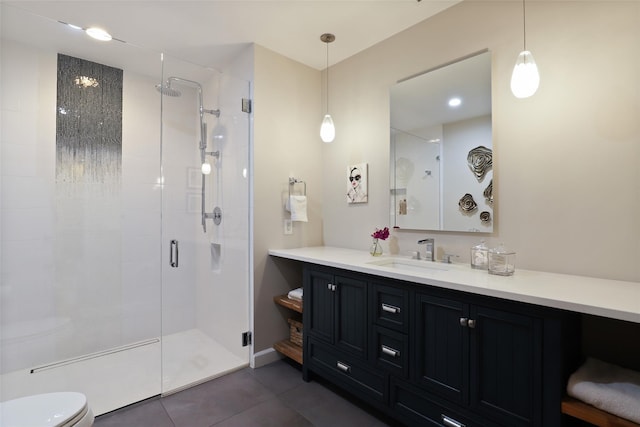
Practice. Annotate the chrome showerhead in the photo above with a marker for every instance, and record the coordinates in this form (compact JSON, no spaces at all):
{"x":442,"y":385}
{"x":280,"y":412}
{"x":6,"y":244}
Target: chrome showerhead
{"x":167,"y":90}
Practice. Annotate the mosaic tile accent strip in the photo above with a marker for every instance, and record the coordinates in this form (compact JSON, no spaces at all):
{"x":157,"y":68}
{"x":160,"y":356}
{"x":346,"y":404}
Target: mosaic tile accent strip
{"x":88,"y":122}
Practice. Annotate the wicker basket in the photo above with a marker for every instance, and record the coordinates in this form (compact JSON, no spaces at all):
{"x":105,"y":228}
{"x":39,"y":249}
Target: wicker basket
{"x":295,"y":332}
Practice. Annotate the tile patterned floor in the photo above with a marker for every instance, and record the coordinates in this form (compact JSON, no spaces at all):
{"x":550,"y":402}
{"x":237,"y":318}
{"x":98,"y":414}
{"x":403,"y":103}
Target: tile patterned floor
{"x":274,"y":395}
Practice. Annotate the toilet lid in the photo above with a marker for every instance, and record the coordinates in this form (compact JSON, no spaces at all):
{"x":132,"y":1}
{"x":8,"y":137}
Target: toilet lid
{"x":43,"y":410}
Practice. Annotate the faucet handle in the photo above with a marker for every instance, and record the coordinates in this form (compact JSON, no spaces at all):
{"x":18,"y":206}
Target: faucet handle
{"x":447,"y":258}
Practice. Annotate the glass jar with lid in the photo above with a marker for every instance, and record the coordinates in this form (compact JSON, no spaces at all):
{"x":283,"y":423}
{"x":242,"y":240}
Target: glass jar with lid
{"x":480,"y":256}
{"x":502,"y":261}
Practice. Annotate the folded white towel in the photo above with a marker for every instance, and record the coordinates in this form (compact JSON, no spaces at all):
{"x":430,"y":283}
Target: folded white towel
{"x":295,"y":294}
{"x":298,"y":208}
{"x":608,"y":387}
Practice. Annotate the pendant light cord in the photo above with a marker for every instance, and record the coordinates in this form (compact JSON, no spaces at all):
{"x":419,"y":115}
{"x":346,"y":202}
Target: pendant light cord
{"x":327,"y":38}
{"x":524,"y":24}
{"x":327,"y":77}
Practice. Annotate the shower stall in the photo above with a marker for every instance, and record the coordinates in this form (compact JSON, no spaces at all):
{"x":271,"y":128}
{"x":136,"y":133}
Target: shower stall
{"x":124,"y":268}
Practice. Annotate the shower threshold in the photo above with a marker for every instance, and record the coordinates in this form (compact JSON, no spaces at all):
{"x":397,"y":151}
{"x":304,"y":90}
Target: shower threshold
{"x":124,"y":375}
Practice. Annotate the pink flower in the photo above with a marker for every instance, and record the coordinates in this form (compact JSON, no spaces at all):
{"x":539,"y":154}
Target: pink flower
{"x":381,"y":234}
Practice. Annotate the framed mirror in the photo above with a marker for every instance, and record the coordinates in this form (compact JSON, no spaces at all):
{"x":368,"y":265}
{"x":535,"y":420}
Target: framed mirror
{"x":441,"y":171}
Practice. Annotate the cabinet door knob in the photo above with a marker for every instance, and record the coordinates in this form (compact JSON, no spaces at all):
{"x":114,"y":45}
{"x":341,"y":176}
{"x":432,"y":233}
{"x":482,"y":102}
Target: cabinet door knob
{"x":464,"y":321}
{"x":472,"y":323}
{"x":450,"y":422}
{"x":390,"y":351}
{"x":343,"y":367}
{"x":390,"y":308}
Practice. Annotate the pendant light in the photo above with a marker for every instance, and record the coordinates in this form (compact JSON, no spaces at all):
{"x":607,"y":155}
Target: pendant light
{"x":525,"y":78}
{"x":327,"y":129}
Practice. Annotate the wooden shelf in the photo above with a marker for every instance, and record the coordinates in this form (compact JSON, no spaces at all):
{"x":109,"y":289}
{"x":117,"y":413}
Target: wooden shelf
{"x":289,"y":303}
{"x":286,"y":347}
{"x":290,"y":350}
{"x":593,"y":415}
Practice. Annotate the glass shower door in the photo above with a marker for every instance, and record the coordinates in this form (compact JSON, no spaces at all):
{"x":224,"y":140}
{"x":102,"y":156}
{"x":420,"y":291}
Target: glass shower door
{"x":205,"y":274}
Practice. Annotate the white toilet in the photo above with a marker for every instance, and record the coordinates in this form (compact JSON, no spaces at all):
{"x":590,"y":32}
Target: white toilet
{"x":65,"y":409}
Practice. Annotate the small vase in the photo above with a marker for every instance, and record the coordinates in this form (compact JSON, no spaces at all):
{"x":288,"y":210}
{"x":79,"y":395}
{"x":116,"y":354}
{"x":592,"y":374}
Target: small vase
{"x":376,"y":249}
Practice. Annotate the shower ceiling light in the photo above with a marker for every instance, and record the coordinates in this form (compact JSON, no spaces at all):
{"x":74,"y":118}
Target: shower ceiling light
{"x":327,"y":129}
{"x":525,"y":78}
{"x":98,"y":34}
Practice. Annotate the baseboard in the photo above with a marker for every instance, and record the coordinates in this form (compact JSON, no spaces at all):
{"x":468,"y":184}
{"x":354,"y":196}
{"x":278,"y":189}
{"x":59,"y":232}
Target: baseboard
{"x":265,"y":357}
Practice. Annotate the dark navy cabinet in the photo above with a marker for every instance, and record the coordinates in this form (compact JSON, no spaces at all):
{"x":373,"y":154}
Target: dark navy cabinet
{"x":485,"y":359}
{"x":338,"y":312}
{"x":436,"y":357}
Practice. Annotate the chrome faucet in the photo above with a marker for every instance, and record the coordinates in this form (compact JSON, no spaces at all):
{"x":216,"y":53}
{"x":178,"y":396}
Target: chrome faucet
{"x":430,"y":248}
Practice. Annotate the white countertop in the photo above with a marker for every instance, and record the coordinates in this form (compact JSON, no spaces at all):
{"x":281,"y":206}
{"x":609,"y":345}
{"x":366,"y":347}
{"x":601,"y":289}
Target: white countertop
{"x":608,"y":298}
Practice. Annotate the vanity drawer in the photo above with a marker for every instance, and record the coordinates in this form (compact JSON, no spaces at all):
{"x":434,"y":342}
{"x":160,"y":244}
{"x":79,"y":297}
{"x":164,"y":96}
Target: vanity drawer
{"x":415,"y":409}
{"x":391,"y":350}
{"x":346,"y":372}
{"x":390,"y":307}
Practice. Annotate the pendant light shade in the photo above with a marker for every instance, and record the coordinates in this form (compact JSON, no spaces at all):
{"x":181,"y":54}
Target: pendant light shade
{"x":327,"y":129}
{"x":525,"y":78}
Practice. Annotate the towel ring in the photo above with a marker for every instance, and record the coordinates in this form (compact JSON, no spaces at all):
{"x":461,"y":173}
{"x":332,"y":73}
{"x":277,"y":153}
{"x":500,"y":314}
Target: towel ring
{"x":294,"y":181}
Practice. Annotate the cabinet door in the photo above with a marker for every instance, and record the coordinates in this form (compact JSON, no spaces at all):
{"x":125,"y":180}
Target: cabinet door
{"x":506,"y":371}
{"x":319,"y":305}
{"x":442,"y":353}
{"x":351,"y":315}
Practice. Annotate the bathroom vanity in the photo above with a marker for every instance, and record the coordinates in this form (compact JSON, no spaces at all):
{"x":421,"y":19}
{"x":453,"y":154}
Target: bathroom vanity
{"x":442,"y":344}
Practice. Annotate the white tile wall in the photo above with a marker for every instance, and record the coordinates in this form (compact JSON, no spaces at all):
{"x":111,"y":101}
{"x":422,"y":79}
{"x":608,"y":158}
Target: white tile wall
{"x":88,"y":253}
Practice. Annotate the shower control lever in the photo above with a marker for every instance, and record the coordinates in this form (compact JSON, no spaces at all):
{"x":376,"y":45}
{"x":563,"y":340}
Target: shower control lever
{"x":173,"y":254}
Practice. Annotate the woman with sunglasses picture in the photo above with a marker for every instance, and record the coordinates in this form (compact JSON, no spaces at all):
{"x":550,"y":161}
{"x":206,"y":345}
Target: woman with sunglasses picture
{"x":357,"y":192}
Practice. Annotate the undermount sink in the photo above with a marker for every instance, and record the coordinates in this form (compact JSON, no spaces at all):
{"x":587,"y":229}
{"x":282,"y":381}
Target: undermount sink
{"x":408,"y":264}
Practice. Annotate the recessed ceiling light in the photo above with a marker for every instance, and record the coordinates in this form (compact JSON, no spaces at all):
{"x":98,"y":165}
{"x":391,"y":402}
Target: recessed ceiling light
{"x":98,"y":34}
{"x":455,"y":102}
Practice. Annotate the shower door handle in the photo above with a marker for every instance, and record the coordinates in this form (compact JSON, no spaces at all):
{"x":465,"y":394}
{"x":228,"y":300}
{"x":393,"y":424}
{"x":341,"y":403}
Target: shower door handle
{"x":173,"y":254}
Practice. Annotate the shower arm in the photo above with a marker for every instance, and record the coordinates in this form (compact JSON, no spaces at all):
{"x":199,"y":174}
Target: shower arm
{"x":201,"y":109}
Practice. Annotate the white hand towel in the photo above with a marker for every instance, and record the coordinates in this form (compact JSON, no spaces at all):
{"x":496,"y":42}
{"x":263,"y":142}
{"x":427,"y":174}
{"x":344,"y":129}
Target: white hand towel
{"x":298,"y":208}
{"x":609,"y":387}
{"x":295,"y":294}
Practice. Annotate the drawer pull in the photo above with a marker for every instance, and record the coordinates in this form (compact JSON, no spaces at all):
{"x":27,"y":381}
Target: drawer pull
{"x":343,"y":367}
{"x":390,"y":351}
{"x":390,"y":308}
{"x":450,"y":422}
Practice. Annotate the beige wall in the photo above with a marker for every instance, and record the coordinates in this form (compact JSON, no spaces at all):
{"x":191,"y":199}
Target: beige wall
{"x":287,"y":115}
{"x":566,"y":160}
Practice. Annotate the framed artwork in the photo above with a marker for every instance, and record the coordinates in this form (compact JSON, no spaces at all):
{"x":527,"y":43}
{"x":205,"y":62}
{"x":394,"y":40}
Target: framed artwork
{"x":357,"y":183}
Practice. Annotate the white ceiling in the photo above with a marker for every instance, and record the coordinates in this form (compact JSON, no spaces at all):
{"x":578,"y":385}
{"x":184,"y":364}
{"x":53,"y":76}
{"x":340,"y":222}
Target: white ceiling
{"x":209,"y":32}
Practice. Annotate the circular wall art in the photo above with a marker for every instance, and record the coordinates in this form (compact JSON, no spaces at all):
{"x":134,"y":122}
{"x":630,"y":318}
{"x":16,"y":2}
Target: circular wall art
{"x":488,"y":193}
{"x":467,"y":204}
{"x":480,"y":160}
